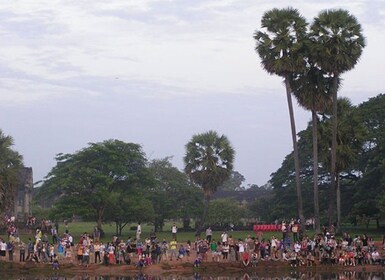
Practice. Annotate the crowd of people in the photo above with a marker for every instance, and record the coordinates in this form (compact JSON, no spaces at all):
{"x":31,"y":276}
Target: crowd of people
{"x":293,"y":247}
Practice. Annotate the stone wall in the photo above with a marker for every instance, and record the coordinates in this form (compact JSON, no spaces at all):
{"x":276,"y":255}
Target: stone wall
{"x":23,"y":195}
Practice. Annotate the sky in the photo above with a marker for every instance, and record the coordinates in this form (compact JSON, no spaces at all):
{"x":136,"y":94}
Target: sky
{"x":156,"y":72}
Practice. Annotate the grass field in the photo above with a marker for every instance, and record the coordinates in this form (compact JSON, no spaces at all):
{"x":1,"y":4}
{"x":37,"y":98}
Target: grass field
{"x":78,"y":228}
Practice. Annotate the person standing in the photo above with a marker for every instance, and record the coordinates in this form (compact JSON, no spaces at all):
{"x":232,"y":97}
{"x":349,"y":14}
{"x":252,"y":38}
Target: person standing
{"x":295,"y":230}
{"x":3,"y":249}
{"x":173,"y":249}
{"x":224,"y":237}
{"x":209,"y":234}
{"x":174,"y":230}
{"x":22,"y":251}
{"x":96,"y":234}
{"x":10,"y":249}
{"x":138,"y":231}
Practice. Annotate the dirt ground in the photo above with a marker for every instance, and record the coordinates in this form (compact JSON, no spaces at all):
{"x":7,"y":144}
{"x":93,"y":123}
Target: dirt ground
{"x":179,"y":268}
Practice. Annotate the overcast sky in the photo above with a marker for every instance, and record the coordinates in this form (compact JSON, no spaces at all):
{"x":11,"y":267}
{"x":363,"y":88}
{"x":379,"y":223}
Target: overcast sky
{"x":155,"y":73}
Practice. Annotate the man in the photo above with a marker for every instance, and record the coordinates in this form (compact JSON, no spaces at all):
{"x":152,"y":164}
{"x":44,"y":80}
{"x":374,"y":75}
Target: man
{"x":209,"y":234}
{"x":138,"y":231}
{"x":174,"y":230}
{"x":295,"y":230}
{"x":3,"y":249}
{"x":224,"y":237}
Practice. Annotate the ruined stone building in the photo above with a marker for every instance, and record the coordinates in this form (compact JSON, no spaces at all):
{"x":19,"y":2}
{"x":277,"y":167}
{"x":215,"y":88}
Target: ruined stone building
{"x":22,"y":207}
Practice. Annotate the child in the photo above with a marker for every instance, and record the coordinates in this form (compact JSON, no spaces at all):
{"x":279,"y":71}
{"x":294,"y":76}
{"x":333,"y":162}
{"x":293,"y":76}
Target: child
{"x":55,"y":263}
{"x":254,"y":259}
{"x":198,"y":261}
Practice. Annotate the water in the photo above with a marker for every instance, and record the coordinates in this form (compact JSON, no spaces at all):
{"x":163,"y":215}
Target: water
{"x":292,"y":275}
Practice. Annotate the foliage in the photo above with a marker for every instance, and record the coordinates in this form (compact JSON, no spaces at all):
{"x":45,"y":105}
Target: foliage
{"x":224,"y":212}
{"x":128,"y":208}
{"x":172,"y":195}
{"x":88,"y":178}
{"x":208,"y":163}
{"x":234,"y":183}
{"x":10,"y":167}
{"x":360,"y":165}
{"x":280,"y":44}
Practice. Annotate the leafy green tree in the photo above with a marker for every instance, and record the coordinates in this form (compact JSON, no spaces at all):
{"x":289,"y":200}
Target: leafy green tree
{"x":337,"y":43}
{"x":89,"y":177}
{"x":350,"y":138}
{"x":208,"y":163}
{"x":234,"y":183}
{"x":369,"y":195}
{"x":172,"y":195}
{"x":279,"y":45}
{"x":129,"y":208}
{"x":10,"y":167}
{"x":224,"y":212}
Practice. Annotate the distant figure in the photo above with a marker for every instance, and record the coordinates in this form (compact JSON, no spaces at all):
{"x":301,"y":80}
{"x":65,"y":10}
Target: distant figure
{"x":209,"y":234}
{"x":198,"y":261}
{"x":174,"y":230}
{"x":55,"y":264}
{"x":138,"y":231}
{"x":96,"y":234}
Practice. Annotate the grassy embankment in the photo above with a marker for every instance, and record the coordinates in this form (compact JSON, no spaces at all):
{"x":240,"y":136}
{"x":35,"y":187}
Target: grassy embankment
{"x":78,"y":228}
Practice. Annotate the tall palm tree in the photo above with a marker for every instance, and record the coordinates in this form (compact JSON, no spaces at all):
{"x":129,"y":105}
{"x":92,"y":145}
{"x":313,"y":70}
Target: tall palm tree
{"x":10,"y":166}
{"x":338,"y":43}
{"x":279,"y":44}
{"x":208,"y":163}
{"x":350,"y":137}
{"x":311,"y":88}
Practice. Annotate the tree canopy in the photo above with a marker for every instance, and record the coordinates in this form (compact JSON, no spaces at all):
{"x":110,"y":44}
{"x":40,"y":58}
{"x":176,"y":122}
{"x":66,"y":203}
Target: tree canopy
{"x":94,"y":173}
{"x":10,"y":166}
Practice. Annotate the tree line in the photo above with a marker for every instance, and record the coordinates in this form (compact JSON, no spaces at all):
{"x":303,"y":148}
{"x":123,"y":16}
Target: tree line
{"x":311,"y":59}
{"x":360,"y":167}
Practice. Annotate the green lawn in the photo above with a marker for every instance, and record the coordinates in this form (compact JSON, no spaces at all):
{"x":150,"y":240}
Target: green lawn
{"x":78,"y":228}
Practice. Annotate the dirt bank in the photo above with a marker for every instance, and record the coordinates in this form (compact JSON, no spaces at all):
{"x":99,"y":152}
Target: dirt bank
{"x":266,"y":268}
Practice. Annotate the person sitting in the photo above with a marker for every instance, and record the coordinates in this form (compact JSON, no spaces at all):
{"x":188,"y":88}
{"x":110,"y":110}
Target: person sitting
{"x":198,"y":261}
{"x":55,"y":263}
{"x":376,"y":258}
{"x":246,"y":258}
{"x":309,"y":259}
{"x":181,"y":253}
{"x":293,"y":259}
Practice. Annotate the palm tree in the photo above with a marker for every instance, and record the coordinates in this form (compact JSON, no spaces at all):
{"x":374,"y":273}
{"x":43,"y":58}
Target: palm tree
{"x":279,"y":47}
{"x":208,"y":163}
{"x":10,"y":165}
{"x":311,"y":88}
{"x":350,"y":137}
{"x":338,"y":43}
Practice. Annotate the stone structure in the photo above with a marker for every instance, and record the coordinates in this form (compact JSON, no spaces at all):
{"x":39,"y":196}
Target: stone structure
{"x":22,"y":208}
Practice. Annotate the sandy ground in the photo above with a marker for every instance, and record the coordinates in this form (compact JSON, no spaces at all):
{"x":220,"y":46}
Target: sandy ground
{"x":177,"y":267}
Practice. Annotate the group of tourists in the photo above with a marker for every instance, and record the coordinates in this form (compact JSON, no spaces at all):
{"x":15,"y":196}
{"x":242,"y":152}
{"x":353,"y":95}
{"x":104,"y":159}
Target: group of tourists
{"x":293,"y":247}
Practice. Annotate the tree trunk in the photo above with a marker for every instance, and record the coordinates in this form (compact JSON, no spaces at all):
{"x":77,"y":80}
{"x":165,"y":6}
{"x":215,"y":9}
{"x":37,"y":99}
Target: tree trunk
{"x":205,"y":212}
{"x":332,"y":198}
{"x":338,"y":198}
{"x":186,"y":223}
{"x":315,"y":172}
{"x":296,"y":155}
{"x":100,"y":212}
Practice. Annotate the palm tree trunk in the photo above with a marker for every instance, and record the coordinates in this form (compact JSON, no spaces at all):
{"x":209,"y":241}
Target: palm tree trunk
{"x":332,"y":198}
{"x":296,"y":155}
{"x":205,"y":212}
{"x":315,"y":172}
{"x":338,"y":199}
